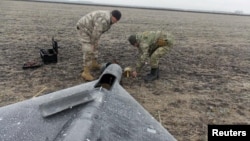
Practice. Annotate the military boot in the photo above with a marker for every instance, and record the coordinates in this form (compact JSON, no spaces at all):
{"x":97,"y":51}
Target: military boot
{"x":94,"y":65}
{"x":154,"y":74}
{"x":86,"y":74}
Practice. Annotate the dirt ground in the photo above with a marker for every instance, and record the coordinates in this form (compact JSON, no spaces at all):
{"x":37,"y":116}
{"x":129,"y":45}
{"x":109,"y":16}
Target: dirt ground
{"x":203,"y":80}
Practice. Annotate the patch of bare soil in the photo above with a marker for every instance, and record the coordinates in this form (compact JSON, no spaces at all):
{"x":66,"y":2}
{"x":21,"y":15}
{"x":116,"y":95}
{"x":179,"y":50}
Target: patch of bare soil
{"x":204,"y":80}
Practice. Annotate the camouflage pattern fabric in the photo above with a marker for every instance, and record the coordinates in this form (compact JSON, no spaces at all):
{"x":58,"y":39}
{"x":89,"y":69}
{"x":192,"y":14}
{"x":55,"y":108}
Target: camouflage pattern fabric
{"x":95,"y":24}
{"x":153,"y":45}
{"x":88,"y":53}
{"x":90,"y":28}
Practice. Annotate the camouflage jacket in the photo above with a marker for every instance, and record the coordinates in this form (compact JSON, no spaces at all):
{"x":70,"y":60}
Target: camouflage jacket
{"x":95,"y":24}
{"x":148,"y":43}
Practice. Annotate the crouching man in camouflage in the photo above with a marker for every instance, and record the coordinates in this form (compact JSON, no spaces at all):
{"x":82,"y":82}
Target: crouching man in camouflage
{"x":90,"y":28}
{"x":152,"y":45}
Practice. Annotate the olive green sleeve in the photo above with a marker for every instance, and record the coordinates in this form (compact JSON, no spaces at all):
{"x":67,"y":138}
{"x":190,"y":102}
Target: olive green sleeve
{"x":143,"y":56}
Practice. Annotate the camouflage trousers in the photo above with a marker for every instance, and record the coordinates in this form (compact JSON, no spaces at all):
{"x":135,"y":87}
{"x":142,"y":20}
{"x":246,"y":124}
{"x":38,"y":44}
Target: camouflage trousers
{"x":88,"y":53}
{"x":157,"y":54}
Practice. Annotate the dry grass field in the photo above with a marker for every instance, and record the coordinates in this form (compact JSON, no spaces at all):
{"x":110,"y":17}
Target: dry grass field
{"x":203,"y":80}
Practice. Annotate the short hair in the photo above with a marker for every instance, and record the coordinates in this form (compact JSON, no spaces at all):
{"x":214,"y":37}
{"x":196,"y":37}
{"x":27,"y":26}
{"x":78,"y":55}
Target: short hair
{"x":132,"y":39}
{"x":117,"y":14}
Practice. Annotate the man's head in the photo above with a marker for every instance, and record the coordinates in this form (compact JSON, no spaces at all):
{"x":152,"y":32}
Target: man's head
{"x":132,"y":40}
{"x":116,"y":15}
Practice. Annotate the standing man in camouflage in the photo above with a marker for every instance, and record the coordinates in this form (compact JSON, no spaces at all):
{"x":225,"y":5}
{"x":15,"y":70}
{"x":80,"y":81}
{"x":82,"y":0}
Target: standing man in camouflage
{"x":152,"y":45}
{"x":90,"y":28}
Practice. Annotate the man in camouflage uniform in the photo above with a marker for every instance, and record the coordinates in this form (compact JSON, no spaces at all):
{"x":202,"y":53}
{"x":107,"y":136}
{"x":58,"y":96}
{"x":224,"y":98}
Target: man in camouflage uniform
{"x":152,"y":45}
{"x":90,"y":28}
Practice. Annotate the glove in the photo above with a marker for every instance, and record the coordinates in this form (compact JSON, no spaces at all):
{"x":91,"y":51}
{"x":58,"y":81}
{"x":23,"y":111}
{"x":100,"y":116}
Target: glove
{"x":161,"y":42}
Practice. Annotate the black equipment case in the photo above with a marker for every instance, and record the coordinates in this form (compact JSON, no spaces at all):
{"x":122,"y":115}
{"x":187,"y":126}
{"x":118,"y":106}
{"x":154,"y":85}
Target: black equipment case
{"x":50,"y":55}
